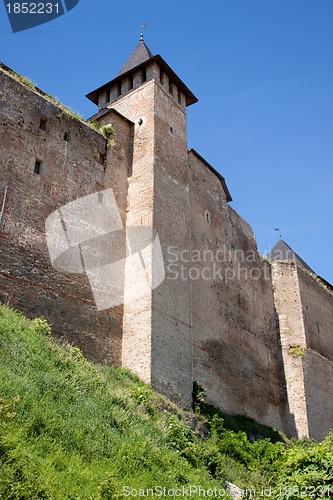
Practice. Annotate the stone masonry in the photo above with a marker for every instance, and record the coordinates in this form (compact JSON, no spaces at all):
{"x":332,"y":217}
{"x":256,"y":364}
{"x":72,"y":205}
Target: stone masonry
{"x":256,"y":335}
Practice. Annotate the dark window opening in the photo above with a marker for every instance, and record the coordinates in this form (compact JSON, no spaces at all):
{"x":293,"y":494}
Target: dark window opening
{"x":38,"y":167}
{"x":130,"y":82}
{"x":170,"y":87}
{"x":162,"y":78}
{"x":144,"y":75}
{"x":171,"y":130}
{"x":102,"y":159}
{"x":66,"y":136}
{"x":179,"y":97}
{"x":118,"y":89}
{"x":42,"y":123}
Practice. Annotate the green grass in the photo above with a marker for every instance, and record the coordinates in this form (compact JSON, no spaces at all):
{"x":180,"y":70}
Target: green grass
{"x":71,"y":429}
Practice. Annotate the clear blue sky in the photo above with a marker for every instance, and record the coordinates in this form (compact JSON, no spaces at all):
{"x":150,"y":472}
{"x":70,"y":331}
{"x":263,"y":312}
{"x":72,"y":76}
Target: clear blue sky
{"x":263,"y":73}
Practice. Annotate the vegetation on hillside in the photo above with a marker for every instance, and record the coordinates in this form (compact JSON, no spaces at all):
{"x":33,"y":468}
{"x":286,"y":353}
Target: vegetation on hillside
{"x":71,"y":429}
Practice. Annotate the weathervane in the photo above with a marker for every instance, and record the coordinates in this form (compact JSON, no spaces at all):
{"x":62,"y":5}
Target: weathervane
{"x":279,"y":230}
{"x":142,"y":26}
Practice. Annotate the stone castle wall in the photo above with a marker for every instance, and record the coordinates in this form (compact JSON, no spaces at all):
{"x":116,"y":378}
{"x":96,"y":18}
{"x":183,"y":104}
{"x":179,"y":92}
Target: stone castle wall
{"x":222,"y":317}
{"x":305,"y":310}
{"x":70,"y":168}
{"x":157,"y":332}
{"x":317,"y":306}
{"x":220,"y":333}
{"x":235,"y":336}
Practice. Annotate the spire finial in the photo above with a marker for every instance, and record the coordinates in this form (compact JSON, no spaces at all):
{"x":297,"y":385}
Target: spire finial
{"x":279,"y":230}
{"x":143,"y":25}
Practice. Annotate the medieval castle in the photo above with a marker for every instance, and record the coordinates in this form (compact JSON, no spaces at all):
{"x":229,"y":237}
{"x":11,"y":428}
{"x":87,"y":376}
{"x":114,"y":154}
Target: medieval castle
{"x":257,"y":334}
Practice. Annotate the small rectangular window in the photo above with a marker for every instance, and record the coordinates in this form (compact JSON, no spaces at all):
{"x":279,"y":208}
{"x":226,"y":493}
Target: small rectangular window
{"x":38,"y":167}
{"x":42,"y":123}
{"x":130,"y":82}
{"x":118,"y":89}
{"x":102,"y":159}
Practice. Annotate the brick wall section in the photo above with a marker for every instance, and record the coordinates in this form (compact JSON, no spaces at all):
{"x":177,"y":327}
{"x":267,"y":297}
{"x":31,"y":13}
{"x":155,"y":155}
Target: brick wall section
{"x":119,"y":158}
{"x":305,"y":312}
{"x":317,"y":307}
{"x":70,"y":169}
{"x":305,"y":309}
{"x":137,"y":342}
{"x":235,"y":339}
{"x":292,"y":333}
{"x":157,"y":335}
{"x":172,"y":329}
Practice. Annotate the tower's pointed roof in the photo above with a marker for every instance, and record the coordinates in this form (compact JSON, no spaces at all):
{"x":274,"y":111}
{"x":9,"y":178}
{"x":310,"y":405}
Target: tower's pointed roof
{"x":140,"y":54}
{"x":282,"y":251}
{"x":140,"y":58}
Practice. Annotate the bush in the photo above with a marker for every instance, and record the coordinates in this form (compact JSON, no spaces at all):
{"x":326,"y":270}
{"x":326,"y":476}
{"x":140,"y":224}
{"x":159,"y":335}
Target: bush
{"x":306,"y":470}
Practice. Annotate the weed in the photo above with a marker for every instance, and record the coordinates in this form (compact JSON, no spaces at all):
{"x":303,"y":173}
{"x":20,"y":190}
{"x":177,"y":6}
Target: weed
{"x":296,"y":351}
{"x":106,"y":131}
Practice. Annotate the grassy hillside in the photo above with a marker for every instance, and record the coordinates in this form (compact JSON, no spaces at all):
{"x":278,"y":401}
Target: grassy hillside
{"x":70,"y":429}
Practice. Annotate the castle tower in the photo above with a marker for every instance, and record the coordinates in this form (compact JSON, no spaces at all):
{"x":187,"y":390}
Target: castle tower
{"x":303,"y":303}
{"x":256,"y":335}
{"x":157,"y":342}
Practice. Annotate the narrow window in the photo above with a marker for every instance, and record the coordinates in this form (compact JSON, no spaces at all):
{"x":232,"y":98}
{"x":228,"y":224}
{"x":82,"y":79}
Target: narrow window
{"x":66,"y":136}
{"x":38,"y":167}
{"x":102,"y":159}
{"x":130,"y":82}
{"x":162,"y":78}
{"x":118,"y":88}
{"x":144,"y":74}
{"x":171,"y":130}
{"x":42,"y":123}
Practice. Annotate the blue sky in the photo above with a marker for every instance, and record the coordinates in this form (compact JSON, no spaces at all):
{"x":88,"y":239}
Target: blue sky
{"x":263,"y":73}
